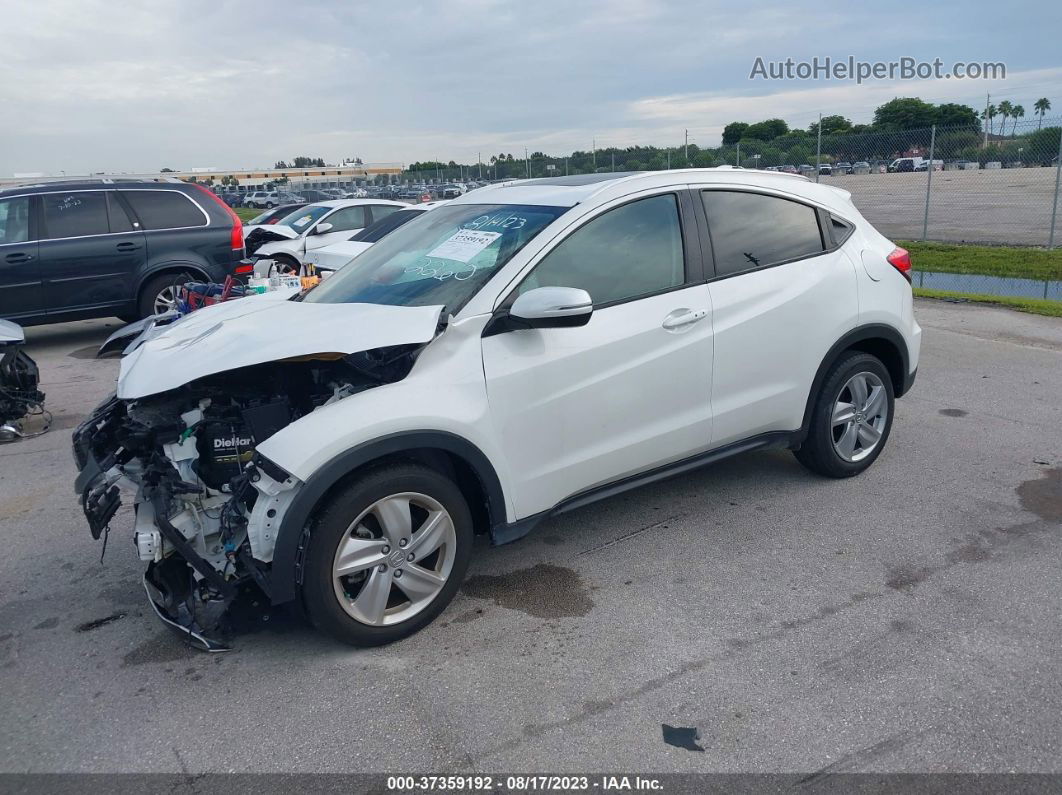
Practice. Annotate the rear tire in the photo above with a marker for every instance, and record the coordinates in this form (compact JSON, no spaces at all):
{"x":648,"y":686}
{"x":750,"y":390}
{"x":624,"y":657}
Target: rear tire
{"x":160,"y":293}
{"x":370,"y":530}
{"x":851,"y":417}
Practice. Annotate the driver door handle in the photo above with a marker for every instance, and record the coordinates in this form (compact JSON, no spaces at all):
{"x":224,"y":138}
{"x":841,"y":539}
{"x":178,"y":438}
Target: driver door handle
{"x":128,"y":246}
{"x":18,"y":259}
{"x":682,"y":319}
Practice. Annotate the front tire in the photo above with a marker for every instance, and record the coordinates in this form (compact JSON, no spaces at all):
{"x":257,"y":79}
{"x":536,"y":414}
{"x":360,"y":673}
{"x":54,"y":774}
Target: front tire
{"x":851,"y":418}
{"x":387,"y":555}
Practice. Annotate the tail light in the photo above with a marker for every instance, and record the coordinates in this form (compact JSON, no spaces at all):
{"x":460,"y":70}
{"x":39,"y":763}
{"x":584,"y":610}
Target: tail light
{"x":245,"y":269}
{"x":236,"y":241}
{"x":900,"y":259}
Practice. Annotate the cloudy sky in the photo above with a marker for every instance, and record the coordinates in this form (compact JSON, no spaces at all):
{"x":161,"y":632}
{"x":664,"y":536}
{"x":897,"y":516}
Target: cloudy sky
{"x":113,"y":86}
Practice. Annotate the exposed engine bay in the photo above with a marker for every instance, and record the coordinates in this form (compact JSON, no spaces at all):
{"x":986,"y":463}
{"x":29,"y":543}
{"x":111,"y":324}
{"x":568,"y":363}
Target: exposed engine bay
{"x":20,"y":395}
{"x":206,"y":506}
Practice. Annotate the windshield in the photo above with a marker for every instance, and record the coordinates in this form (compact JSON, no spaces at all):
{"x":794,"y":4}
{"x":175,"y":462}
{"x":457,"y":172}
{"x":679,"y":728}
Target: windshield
{"x":303,"y":218}
{"x":442,"y":257}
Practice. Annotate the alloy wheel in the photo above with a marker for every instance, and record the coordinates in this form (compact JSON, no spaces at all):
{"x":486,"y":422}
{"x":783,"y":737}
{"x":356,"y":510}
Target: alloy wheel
{"x":860,"y":414}
{"x":166,"y":299}
{"x":394,"y":559}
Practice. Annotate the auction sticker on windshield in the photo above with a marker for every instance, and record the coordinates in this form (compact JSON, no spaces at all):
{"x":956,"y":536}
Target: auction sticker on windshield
{"x":463,"y":245}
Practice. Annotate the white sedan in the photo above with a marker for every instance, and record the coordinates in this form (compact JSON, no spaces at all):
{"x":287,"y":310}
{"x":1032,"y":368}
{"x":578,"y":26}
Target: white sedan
{"x":316,"y":226}
{"x":332,"y":258}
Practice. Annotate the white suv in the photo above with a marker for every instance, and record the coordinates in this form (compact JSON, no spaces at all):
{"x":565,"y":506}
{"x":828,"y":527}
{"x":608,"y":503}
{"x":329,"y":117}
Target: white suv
{"x":519,"y":352}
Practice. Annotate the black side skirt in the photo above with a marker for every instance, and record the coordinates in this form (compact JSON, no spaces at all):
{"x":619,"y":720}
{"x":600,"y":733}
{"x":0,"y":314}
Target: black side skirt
{"x":783,"y":440}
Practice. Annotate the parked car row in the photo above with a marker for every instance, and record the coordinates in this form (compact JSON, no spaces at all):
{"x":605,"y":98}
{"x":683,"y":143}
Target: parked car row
{"x":274,"y":197}
{"x":281,"y":247}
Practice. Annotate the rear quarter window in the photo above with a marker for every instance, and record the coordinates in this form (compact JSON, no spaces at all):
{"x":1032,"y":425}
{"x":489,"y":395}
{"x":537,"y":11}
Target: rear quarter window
{"x":164,"y":209}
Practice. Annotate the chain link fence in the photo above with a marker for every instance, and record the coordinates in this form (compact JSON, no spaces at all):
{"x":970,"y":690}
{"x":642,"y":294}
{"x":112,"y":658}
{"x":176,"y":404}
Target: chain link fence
{"x":937,"y":186}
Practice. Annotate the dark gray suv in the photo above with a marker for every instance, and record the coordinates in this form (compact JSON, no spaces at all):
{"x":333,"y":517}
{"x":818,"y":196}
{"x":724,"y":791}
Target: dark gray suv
{"x":94,"y":249}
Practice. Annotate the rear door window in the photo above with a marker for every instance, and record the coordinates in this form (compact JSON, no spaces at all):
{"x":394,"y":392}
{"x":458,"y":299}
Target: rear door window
{"x":164,"y":209}
{"x":76,"y":214}
{"x":754,"y":230}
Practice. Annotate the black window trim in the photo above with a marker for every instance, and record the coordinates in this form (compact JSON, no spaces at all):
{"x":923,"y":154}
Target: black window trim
{"x":693,"y":271}
{"x":826,"y":220}
{"x":112,"y":199}
{"x":138,"y":221}
{"x":715,"y":276}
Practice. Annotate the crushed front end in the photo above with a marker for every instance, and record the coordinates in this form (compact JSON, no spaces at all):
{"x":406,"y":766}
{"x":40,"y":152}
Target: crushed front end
{"x":207,"y":507}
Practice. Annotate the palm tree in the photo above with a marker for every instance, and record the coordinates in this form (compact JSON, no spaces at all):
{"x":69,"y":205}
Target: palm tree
{"x":988,"y":114}
{"x":1043,"y":104}
{"x":1016,"y":112}
{"x":1005,"y":110}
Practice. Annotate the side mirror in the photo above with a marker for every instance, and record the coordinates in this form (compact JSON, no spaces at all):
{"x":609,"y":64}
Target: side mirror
{"x":552,"y":307}
{"x":320,"y":229}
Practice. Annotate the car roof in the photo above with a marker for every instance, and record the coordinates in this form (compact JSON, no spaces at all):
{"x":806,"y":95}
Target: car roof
{"x":90,"y":184}
{"x":572,"y":190}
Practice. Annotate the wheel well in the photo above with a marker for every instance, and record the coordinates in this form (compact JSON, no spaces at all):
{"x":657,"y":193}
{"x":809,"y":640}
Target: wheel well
{"x":446,"y":463}
{"x":877,"y":341}
{"x":888,"y":353}
{"x":168,"y":271}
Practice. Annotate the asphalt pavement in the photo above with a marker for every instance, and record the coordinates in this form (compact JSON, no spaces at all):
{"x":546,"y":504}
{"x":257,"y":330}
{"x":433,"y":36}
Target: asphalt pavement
{"x":749,"y":617}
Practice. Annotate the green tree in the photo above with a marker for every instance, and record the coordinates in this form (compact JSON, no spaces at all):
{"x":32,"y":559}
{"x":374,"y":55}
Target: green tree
{"x":953,"y":115}
{"x":734,"y":132}
{"x":1005,"y":109}
{"x":766,"y":130}
{"x":1042,"y":145}
{"x":905,"y":113}
{"x":166,"y":171}
{"x":830,"y":125}
{"x":1017,"y":112}
{"x":1042,"y":105}
{"x":949,"y":144}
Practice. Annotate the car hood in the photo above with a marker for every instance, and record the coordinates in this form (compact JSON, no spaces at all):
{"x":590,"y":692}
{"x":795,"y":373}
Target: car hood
{"x":10,"y":333}
{"x":245,"y":332}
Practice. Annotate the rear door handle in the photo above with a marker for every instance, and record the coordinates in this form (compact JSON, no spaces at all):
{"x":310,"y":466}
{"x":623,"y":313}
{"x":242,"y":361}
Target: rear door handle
{"x":683,"y":318}
{"x":128,"y":246}
{"x":18,"y":259}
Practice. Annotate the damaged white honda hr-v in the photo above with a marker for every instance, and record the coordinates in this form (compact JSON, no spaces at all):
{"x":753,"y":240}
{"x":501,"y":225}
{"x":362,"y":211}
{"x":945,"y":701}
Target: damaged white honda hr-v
{"x":522,"y":351}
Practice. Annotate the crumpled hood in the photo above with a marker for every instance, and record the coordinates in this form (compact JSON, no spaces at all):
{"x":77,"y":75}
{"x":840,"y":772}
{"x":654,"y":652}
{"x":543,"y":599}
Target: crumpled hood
{"x":11,"y":333}
{"x":276,"y":231}
{"x":247,"y":331}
